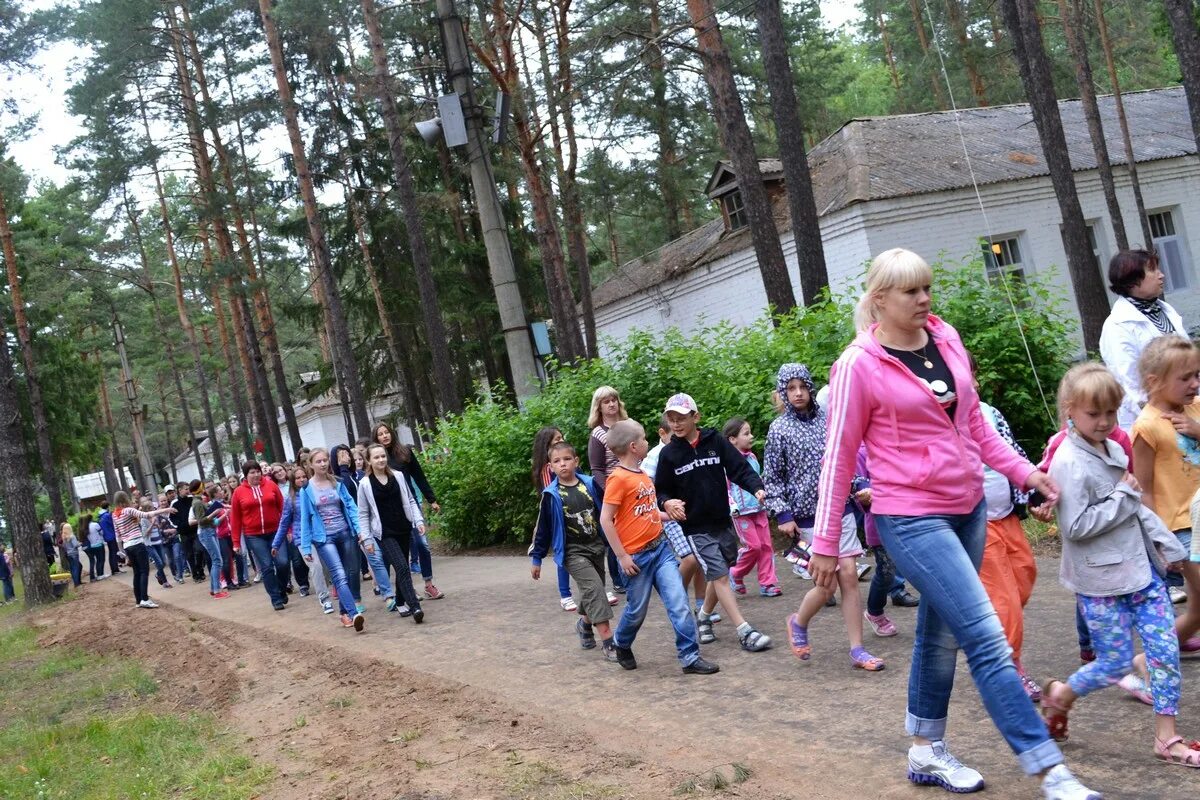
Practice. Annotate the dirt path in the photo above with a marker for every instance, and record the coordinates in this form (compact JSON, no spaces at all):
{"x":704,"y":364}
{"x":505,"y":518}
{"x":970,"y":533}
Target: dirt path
{"x":492,"y":697}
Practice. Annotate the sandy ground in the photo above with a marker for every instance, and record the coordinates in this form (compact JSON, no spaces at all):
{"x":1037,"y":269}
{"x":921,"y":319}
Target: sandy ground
{"x":493,"y":698}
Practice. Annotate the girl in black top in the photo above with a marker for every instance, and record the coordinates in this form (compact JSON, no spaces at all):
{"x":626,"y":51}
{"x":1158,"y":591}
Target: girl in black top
{"x":388,"y":510}
{"x":401,"y":458}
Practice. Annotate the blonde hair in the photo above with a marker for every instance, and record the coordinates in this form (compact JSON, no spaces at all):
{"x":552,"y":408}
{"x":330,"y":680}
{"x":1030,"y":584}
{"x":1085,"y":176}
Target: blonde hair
{"x":66,"y":530}
{"x":1163,"y":356}
{"x":599,"y":396}
{"x":622,"y":434}
{"x":1090,"y":382}
{"x":890,"y":269}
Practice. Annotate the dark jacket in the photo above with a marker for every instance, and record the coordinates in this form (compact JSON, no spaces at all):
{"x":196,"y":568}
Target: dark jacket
{"x":107,"y":529}
{"x":346,"y":474}
{"x":411,"y":470}
{"x":696,"y":475}
{"x":551,"y":532}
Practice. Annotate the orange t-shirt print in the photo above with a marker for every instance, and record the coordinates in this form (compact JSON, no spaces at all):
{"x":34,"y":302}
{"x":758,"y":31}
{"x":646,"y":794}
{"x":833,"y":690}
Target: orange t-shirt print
{"x":637,"y":518}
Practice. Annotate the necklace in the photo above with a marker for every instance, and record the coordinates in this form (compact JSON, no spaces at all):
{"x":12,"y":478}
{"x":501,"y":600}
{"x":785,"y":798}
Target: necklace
{"x":920,"y":352}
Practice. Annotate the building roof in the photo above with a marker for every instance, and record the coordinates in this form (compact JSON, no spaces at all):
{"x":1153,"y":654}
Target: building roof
{"x":876,"y":158}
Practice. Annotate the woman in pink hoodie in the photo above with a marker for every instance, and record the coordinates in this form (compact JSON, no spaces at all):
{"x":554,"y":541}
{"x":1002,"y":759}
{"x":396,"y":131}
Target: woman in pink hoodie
{"x":903,"y":388}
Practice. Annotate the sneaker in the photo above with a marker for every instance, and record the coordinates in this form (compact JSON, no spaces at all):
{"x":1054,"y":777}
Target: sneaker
{"x":753,"y":641}
{"x":587,"y":639}
{"x":359,"y":607}
{"x":366,"y":576}
{"x":800,"y":570}
{"x":303,"y":591}
{"x":346,"y":621}
{"x":863,"y":570}
{"x":220,"y":595}
{"x":933,"y":764}
{"x":1177,"y":595}
{"x":903,"y":599}
{"x":609,"y":651}
{"x":882,"y":626}
{"x":415,"y":568}
{"x":178,"y":579}
{"x":106,"y":577}
{"x":1136,"y":688}
{"x":770,"y":590}
{"x":258,"y":578}
{"x":612,"y":599}
{"x":619,"y":589}
{"x":148,"y":604}
{"x":1060,"y":784}
{"x":1031,"y":688}
{"x":625,"y":657}
{"x":326,"y":607}
{"x":433,"y":593}
{"x":391,"y":604}
{"x":568,"y":604}
{"x":359,"y":622}
{"x":737,"y":586}
{"x":418,"y":615}
{"x":404,"y":610}
{"x":375,"y":591}
{"x":278,"y":606}
{"x":701,"y":667}
{"x":224,"y":585}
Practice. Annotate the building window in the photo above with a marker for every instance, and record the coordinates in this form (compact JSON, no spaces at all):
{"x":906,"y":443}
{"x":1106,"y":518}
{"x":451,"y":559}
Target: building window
{"x":1097,"y":250}
{"x":1004,"y":256}
{"x":1172,"y":258}
{"x":735,"y":210}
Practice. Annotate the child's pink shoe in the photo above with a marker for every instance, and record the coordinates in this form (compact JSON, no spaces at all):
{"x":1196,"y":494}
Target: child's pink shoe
{"x":882,"y":626}
{"x":770,"y":590}
{"x":737,"y":586}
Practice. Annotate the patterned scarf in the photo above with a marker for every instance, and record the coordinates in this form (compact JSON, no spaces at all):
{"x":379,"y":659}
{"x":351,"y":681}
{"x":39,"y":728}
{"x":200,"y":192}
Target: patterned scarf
{"x":1154,"y":311}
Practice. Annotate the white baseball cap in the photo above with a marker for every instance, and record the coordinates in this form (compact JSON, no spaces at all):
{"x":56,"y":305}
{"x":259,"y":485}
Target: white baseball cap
{"x":683,"y":403}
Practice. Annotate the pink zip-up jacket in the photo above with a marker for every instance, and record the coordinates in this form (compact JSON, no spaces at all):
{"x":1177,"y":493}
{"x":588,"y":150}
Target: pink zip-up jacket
{"x":922,"y":463}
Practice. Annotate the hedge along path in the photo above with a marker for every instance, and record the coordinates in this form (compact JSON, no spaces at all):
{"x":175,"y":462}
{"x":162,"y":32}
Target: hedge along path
{"x":479,"y":461}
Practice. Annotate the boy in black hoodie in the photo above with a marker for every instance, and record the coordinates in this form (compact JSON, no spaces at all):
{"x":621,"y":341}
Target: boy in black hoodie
{"x":691,"y":488}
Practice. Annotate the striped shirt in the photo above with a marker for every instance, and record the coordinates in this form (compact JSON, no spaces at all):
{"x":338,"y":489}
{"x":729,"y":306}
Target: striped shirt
{"x":127,"y":522}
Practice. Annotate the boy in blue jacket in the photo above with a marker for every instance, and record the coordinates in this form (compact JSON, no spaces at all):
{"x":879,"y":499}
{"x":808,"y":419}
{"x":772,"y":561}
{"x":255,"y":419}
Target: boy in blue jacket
{"x":569,"y":523}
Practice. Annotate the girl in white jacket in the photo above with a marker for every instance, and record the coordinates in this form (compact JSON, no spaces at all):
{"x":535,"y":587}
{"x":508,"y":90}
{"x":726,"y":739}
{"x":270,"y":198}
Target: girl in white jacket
{"x":1115,"y":552}
{"x":388,"y":510}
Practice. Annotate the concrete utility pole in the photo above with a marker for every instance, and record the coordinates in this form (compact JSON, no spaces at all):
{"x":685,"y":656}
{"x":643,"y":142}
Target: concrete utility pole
{"x":146,"y":481}
{"x":491,"y":217}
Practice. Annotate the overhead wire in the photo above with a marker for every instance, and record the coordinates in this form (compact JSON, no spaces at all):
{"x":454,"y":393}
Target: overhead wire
{"x":987,"y":225}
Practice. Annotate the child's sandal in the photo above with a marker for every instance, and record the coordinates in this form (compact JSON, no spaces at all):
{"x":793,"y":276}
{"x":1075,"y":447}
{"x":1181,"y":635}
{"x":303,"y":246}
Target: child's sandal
{"x":865,"y":661}
{"x":1188,"y":758}
{"x":1054,"y":713}
{"x":798,"y":639}
{"x":705,"y":629}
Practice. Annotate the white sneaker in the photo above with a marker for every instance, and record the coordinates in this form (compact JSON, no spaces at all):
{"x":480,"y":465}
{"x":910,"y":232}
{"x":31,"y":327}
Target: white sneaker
{"x":327,"y":606}
{"x":1177,"y":595}
{"x":801,"y":572}
{"x":863,"y":569}
{"x":568,"y":604}
{"x":1060,"y":784}
{"x":148,"y":604}
{"x":933,"y":764}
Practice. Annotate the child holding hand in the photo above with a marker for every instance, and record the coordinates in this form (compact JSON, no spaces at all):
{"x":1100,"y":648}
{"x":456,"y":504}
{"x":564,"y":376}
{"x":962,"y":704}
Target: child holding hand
{"x":750,"y":521}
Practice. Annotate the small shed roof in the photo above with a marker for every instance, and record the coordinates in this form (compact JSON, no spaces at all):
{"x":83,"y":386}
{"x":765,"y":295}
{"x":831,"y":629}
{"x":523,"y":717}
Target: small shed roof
{"x":876,"y":158}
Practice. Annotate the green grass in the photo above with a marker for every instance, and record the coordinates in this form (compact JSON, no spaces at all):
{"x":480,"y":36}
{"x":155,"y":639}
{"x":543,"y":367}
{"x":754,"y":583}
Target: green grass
{"x":75,"y":725}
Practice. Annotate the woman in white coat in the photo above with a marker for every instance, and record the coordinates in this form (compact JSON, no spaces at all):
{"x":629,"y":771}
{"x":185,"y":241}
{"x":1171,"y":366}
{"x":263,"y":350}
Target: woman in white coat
{"x":1138,"y":316}
{"x":388,"y":510}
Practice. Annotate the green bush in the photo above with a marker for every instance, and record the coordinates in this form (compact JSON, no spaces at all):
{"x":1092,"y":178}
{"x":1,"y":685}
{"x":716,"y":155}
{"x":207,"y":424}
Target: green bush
{"x":479,"y":461}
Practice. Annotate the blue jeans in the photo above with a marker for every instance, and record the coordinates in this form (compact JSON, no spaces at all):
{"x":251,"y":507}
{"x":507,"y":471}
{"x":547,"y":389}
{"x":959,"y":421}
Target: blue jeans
{"x":158,"y":555}
{"x":379,"y":569}
{"x":421,"y":555}
{"x":260,"y":548}
{"x":76,"y":568}
{"x":564,"y":583}
{"x":940,"y":556}
{"x":333,"y":552}
{"x":620,"y":579}
{"x":208,"y":540}
{"x":178,"y":561}
{"x":658,"y":570}
{"x":9,"y":594}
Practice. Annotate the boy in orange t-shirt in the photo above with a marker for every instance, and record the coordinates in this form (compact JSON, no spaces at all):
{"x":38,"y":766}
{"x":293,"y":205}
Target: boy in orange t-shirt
{"x":632,"y":523}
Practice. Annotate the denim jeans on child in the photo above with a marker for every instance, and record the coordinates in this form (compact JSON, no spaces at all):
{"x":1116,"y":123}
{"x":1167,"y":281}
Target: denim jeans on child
{"x":333,"y":552}
{"x":940,"y":556}
{"x":659,"y":570}
{"x":76,"y":568}
{"x":374,"y":560}
{"x":178,"y":561}
{"x":1112,"y":621}
{"x":420,"y":554}
{"x":208,"y":540}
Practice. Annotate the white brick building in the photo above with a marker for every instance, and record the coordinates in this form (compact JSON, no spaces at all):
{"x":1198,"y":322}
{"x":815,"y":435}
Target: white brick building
{"x":903,"y":182}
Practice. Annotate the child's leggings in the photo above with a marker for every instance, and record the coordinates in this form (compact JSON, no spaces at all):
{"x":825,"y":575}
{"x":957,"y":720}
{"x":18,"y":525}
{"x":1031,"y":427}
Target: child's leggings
{"x":882,"y":582}
{"x":1112,"y":621}
{"x":1008,"y":573}
{"x":564,"y":583}
{"x":755,"y":532}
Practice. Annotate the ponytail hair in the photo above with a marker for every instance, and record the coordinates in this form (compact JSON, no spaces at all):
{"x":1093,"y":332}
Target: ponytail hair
{"x":890,"y":269}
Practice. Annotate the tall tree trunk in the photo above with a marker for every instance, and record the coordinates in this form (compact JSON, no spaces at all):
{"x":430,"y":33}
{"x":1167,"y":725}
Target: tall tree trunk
{"x":41,"y":428}
{"x":727,"y":108}
{"x":1070,"y":12}
{"x":954,"y":14}
{"x":236,"y":376}
{"x":112,"y":479}
{"x":1182,"y":16}
{"x":339,"y":329}
{"x":166,"y":423}
{"x":431,"y":309}
{"x":667,"y":162}
{"x":888,"y":55}
{"x":1130,"y":160}
{"x":16,"y":487}
{"x":262,"y":402}
{"x":222,"y":405}
{"x":261,"y":296}
{"x":111,"y":428}
{"x":935,"y":78}
{"x":142,"y":462}
{"x":572,"y":205}
{"x":806,"y":228}
{"x":1035,"y":69}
